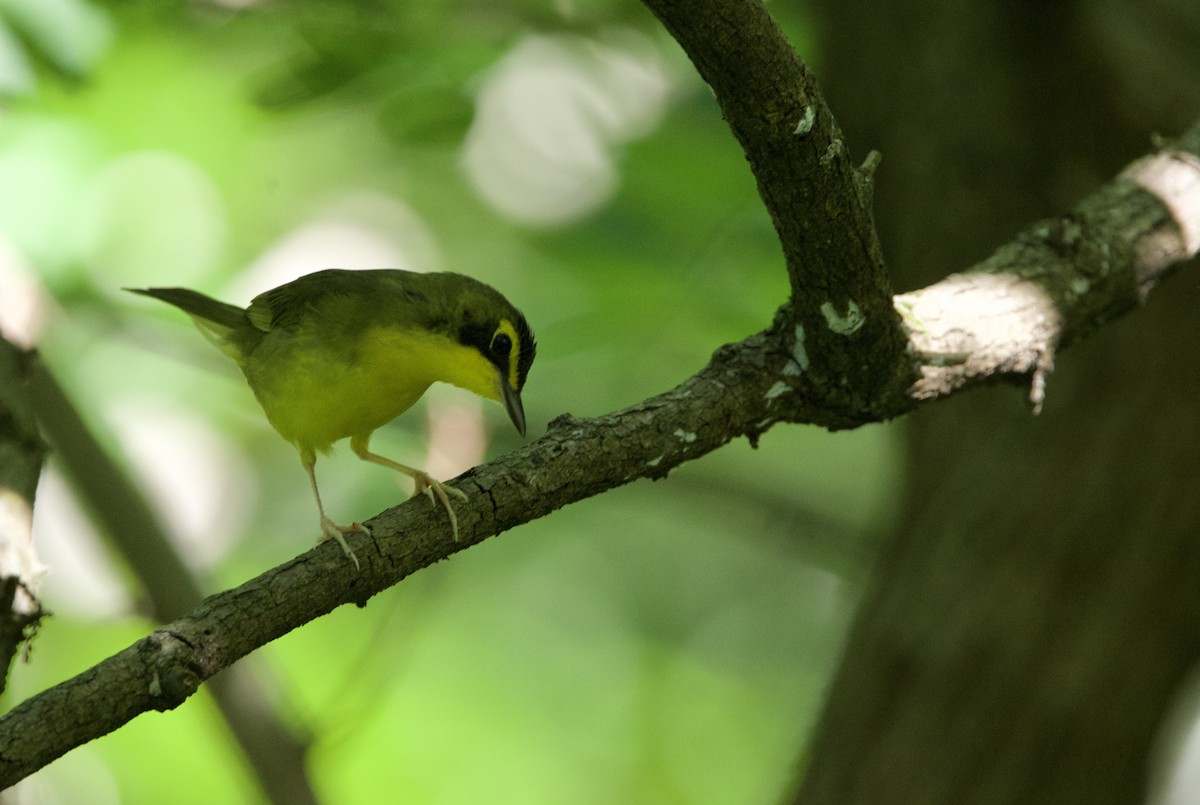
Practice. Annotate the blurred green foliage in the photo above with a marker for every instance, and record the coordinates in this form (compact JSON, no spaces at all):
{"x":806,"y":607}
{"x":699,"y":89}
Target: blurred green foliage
{"x":665,"y":642}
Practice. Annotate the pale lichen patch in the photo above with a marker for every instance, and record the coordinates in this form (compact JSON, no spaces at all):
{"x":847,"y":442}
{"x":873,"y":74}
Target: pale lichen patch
{"x":799,"y":353}
{"x":778,"y":390}
{"x":806,"y":122}
{"x":843,"y":324}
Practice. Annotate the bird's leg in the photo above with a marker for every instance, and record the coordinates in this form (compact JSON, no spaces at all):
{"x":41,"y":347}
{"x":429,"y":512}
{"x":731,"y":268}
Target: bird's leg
{"x":329,"y":529}
{"x":424,"y":481}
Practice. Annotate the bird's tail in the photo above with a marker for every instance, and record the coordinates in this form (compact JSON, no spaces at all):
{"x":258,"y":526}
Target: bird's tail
{"x":218,"y":321}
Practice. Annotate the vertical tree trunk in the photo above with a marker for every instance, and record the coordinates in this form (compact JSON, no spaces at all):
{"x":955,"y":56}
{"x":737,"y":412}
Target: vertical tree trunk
{"x":1039,"y":605}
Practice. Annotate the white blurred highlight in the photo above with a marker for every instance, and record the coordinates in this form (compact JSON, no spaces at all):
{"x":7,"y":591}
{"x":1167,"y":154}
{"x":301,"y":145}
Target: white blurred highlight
{"x":550,"y":116}
{"x":83,"y":580}
{"x":118,"y":246}
{"x":1175,"y":770}
{"x":17,"y":556}
{"x":23,"y":301}
{"x":457,"y":438}
{"x":357,"y":232}
{"x":81,"y":775}
{"x":197,"y":479}
{"x":17,"y":76}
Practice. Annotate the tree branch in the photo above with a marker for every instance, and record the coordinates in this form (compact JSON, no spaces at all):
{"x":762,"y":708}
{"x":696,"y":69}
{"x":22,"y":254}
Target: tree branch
{"x":834,"y":356}
{"x":820,"y":204}
{"x":1060,"y":279}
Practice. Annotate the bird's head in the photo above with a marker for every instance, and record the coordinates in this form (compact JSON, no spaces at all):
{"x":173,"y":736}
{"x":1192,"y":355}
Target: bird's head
{"x":490,"y":327}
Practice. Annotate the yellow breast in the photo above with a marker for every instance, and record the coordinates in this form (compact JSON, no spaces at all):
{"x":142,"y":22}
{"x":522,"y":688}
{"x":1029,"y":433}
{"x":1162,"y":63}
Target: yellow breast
{"x":315,"y":392}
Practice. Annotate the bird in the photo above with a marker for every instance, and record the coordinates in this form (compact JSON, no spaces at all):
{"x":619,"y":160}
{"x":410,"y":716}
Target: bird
{"x":339,"y":353}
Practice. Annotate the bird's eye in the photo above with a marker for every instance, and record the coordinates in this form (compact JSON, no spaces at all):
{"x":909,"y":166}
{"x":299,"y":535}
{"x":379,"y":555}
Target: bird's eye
{"x":501,"y":345}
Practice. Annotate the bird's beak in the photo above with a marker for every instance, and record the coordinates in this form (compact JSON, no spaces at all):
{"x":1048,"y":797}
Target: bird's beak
{"x":512,"y":403}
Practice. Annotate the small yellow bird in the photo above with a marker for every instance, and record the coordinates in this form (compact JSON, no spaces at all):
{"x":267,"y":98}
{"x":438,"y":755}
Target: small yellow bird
{"x":339,"y":353}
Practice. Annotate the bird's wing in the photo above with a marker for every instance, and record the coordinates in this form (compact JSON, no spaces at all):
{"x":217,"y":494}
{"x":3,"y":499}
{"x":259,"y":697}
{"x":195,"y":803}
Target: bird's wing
{"x":336,"y":293}
{"x":288,"y":305}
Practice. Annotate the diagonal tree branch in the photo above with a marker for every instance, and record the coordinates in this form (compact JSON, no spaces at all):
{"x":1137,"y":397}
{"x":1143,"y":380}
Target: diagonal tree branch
{"x":824,"y":360}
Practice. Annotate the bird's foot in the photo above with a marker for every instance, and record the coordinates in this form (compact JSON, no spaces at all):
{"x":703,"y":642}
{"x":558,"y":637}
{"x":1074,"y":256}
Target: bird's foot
{"x":330,"y":530}
{"x":436,"y":491}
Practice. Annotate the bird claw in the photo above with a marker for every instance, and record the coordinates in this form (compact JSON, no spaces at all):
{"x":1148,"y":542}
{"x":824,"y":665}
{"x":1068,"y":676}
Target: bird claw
{"x":437,"y":491}
{"x":332,"y":531}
